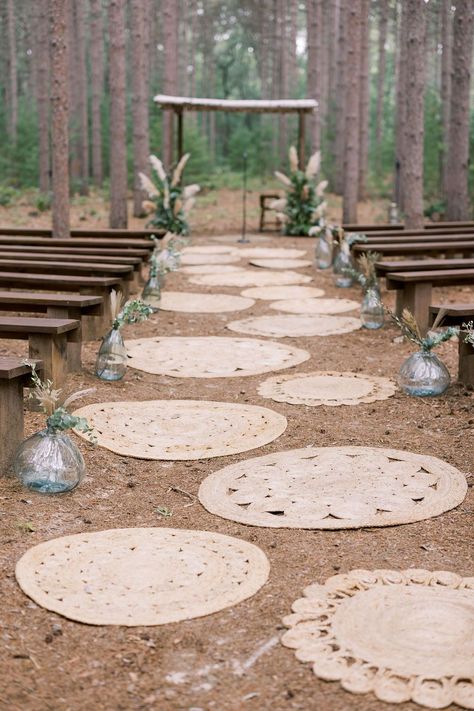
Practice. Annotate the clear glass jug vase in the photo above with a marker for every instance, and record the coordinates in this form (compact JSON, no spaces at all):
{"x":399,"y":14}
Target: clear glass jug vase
{"x":343,"y":261}
{"x":371,"y":310}
{"x":111,"y":361}
{"x":323,"y":253}
{"x":151,"y":293}
{"x":423,"y":374}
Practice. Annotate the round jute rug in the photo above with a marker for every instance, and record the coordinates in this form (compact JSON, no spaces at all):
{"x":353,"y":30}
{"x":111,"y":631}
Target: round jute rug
{"x":327,"y":388}
{"x":141,"y":576}
{"x":333,"y":487}
{"x":315,"y":306}
{"x":281,"y":263}
{"x":195,"y":258}
{"x":208,"y":249}
{"x":294,"y":326}
{"x":252,"y":278}
{"x":211,"y":356}
{"x":181,"y":429}
{"x":211,"y":269}
{"x":274,"y":293}
{"x":189,"y":302}
{"x":401,"y":635}
{"x":271,"y":253}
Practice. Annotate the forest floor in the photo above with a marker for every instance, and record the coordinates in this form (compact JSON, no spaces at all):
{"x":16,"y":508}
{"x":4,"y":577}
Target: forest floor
{"x":212,"y":663}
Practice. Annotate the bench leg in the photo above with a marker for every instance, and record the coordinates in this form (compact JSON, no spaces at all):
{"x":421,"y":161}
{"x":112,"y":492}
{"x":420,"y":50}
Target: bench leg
{"x":94,"y":327}
{"x":74,"y":344}
{"x":11,"y":420}
{"x":466,"y":361}
{"x":417,"y":299}
{"x":52,"y":350}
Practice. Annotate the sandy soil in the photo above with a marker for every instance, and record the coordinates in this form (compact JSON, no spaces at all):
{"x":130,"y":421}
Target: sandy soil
{"x":213,"y":663}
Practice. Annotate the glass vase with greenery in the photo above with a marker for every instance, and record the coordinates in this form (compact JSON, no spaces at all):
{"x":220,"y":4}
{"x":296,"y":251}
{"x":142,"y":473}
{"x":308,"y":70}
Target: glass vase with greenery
{"x":372,"y":309}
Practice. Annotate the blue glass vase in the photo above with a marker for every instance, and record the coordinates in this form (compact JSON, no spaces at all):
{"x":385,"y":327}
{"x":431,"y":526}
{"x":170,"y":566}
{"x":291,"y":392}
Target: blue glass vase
{"x":371,"y":310}
{"x":111,"y":361}
{"x":423,"y":374}
{"x":49,"y":462}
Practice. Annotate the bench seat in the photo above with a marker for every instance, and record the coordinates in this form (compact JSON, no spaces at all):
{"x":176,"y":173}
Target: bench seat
{"x":415,"y":265}
{"x":466,"y":248}
{"x":456,"y":315}
{"x":84,"y":232}
{"x":79,"y":242}
{"x":41,"y":249}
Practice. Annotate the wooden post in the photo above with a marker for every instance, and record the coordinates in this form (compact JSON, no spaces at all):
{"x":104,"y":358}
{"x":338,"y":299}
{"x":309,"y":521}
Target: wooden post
{"x":179,"y":143}
{"x":466,"y":361}
{"x":11,"y":421}
{"x":52,"y":350}
{"x":301,"y":138}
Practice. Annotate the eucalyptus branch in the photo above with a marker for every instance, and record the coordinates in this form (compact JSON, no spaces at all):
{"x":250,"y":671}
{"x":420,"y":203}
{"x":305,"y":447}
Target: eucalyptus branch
{"x":410,"y":329}
{"x":469,"y":327}
{"x":134,"y":311}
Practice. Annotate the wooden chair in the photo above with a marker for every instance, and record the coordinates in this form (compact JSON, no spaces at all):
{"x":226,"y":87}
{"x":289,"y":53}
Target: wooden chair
{"x":47,"y":341}
{"x":414,"y":289}
{"x":14,"y":376}
{"x":456,"y":315}
{"x":264,"y":198}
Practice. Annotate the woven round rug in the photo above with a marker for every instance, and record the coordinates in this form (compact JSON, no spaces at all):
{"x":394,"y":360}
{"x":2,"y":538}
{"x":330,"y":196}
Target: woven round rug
{"x":211,"y":356}
{"x":208,"y":249}
{"x":401,"y":635}
{"x":189,"y":302}
{"x":333,"y":487}
{"x":315,"y":306}
{"x":211,"y":269}
{"x":275,"y":293}
{"x":281,"y":263}
{"x":327,"y":388}
{"x":252,"y":278}
{"x":141,"y":576}
{"x":188,"y":259}
{"x":181,"y":429}
{"x":271,"y":253}
{"x":294,"y":326}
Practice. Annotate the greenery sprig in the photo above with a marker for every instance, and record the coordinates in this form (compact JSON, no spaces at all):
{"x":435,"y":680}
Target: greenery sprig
{"x":134,"y":311}
{"x":469,"y":328}
{"x":365,"y":274}
{"x":59,"y":419}
{"x":410,"y":329}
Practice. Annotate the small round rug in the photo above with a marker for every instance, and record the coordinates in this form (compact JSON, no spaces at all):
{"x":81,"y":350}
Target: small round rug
{"x":294,"y":326}
{"x":208,"y":249}
{"x":275,"y":293}
{"x":327,"y":388}
{"x":189,"y":302}
{"x":281,"y":263}
{"x":181,"y":429}
{"x":252,"y":278}
{"x":315,"y":306}
{"x":141,"y":576}
{"x":211,"y":356}
{"x":188,"y":259}
{"x":271,"y":253}
{"x":403,"y":635}
{"x":211,"y":269}
{"x":333,"y":487}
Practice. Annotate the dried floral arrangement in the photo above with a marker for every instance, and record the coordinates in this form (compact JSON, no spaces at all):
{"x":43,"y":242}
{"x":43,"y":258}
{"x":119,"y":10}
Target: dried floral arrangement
{"x":468,"y":329}
{"x":304,"y":205}
{"x":59,"y":419}
{"x":410,"y":329}
{"x":170,"y":201}
{"x":365,"y":274}
{"x":134,"y":311}
{"x":328,"y":231}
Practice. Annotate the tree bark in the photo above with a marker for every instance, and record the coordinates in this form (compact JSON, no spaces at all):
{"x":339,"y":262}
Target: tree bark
{"x":12,"y":73}
{"x":364,"y":101}
{"x":457,"y":197}
{"x":59,"y":118}
{"x":43,"y":89}
{"x":381,"y":63}
{"x":141,"y":139}
{"x":341,"y":99}
{"x":282,"y":19}
{"x":401,"y":106}
{"x":117,"y":86}
{"x":313,"y":40}
{"x":446,"y":42}
{"x":352,"y":111}
{"x":412,"y":158}
{"x":170,"y":83}
{"x":97,"y":88}
{"x":81,"y":79}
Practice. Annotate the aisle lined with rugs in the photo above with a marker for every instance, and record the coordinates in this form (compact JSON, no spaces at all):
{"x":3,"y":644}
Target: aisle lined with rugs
{"x":306,"y":534}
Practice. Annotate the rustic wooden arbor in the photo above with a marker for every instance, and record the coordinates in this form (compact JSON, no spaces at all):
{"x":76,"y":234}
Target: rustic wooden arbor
{"x":180,"y":104}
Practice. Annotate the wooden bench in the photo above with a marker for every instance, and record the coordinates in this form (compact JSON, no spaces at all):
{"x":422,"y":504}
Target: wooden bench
{"x":427,"y":237}
{"x":263,"y":199}
{"x":456,"y":315}
{"x":80,"y":242}
{"x":14,"y":376}
{"x":47,"y":341}
{"x":414,"y":289}
{"x":415,"y":265}
{"x":466,"y":248}
{"x":17,"y":247}
{"x":84,"y":232}
{"x":400,"y":228}
{"x":39,"y":266}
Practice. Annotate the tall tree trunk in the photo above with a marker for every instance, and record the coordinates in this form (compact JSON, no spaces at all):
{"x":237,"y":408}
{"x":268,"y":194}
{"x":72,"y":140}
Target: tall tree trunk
{"x":170,"y":83}
{"x":141,"y":139}
{"x":117,"y":86}
{"x":352,"y":105}
{"x":401,"y":106}
{"x":333,"y":41}
{"x":457,"y":197}
{"x":59,"y":117}
{"x":97,"y":86}
{"x":446,"y":43}
{"x":12,"y":73}
{"x":43,"y":89}
{"x":364,"y":101}
{"x":81,"y":79}
{"x":381,"y":63}
{"x":313,"y":25}
{"x":412,"y":159}
{"x":283,"y":45}
{"x":342,"y":75}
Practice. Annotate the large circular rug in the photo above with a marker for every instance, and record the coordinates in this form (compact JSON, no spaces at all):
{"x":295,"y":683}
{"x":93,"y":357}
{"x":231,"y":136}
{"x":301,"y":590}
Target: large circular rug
{"x":271,"y":253}
{"x":403,"y":635}
{"x":211,"y":356}
{"x":252,"y":278}
{"x":141,"y":576}
{"x":333,"y":487}
{"x":294,"y":326}
{"x":275,"y":293}
{"x":211,"y":269}
{"x":189,"y":302}
{"x":281,"y":263}
{"x":181,"y":429}
{"x":196,"y":258}
{"x":315,"y":306}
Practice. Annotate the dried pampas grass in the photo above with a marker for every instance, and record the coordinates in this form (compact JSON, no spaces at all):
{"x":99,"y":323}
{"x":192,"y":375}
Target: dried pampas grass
{"x":283,"y":178}
{"x":178,"y":171}
{"x":147,"y":185}
{"x":293,"y":159}
{"x":157,"y":165}
{"x":312,"y":169}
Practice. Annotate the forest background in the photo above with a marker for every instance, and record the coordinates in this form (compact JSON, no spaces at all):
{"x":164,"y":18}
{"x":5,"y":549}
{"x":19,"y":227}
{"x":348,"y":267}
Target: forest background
{"x":232,"y":49}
